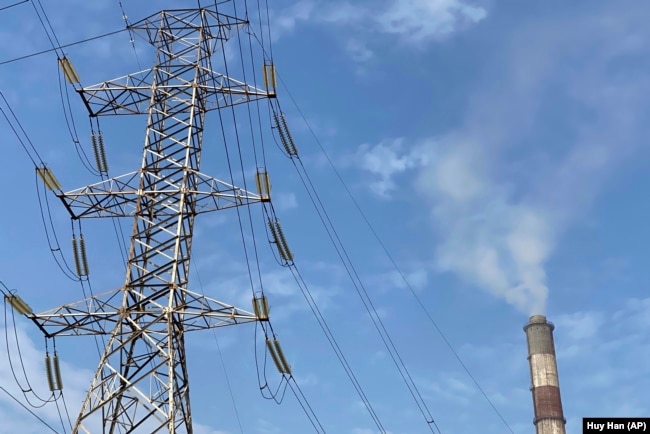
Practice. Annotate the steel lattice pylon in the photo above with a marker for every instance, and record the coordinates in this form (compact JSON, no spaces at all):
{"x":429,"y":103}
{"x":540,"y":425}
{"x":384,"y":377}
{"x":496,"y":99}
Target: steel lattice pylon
{"x":141,"y":384}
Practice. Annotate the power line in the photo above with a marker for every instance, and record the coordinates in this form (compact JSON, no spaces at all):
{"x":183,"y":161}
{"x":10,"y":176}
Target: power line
{"x":392,"y":260}
{"x":223,"y":365}
{"x":354,"y":276}
{"x":30,"y":411}
{"x":34,"y":157}
{"x":127,"y":26}
{"x":15,"y":4}
{"x":16,"y":59}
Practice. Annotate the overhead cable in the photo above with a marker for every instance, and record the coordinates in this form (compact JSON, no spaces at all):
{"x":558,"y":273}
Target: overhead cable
{"x":38,"y":53}
{"x":30,"y":411}
{"x":392,"y":260}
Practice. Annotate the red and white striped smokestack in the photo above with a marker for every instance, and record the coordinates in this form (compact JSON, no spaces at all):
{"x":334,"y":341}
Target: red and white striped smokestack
{"x":549,"y":418}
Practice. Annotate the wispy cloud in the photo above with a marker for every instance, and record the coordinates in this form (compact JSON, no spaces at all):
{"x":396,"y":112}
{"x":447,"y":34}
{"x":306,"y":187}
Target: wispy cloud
{"x":416,"y":22}
{"x":286,"y":20}
{"x":385,"y":161}
{"x":505,"y":186}
{"x":420,"y":20}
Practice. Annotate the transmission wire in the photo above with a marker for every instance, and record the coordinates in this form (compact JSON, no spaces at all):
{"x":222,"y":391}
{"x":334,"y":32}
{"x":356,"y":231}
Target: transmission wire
{"x":367,"y":301}
{"x":72,"y":128}
{"x":57,"y":246}
{"x":24,"y":390}
{"x":131,"y":35}
{"x":70,"y":123}
{"x":308,"y":409}
{"x":239,"y":217}
{"x":81,"y":41}
{"x":249,"y":212}
{"x":30,"y":411}
{"x":223,"y":365}
{"x":248,"y":208}
{"x":374,"y":232}
{"x":47,"y":33}
{"x":241,"y":162}
{"x":320,"y":319}
{"x":12,"y":5}
{"x":53,"y":397}
{"x":58,"y":410}
{"x":13,"y":114}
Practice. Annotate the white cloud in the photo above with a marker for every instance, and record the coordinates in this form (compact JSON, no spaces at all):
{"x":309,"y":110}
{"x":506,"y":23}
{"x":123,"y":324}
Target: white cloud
{"x":419,"y":20}
{"x":286,"y":20}
{"x":385,"y":160}
{"x":499,"y":196}
{"x":415,"y":21}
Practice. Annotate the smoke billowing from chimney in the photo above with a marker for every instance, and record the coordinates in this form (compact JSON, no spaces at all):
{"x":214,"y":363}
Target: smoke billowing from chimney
{"x":549,"y":417}
{"x":489,"y":237}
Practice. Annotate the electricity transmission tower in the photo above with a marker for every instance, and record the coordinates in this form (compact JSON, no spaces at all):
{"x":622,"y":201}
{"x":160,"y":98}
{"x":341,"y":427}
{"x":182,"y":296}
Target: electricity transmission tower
{"x":141,"y":384}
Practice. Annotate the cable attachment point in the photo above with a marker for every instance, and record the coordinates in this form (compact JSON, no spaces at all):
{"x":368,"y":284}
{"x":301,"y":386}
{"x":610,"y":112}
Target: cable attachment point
{"x":278,"y":356}
{"x":285,"y":135}
{"x":80,"y":257}
{"x":48,"y":178}
{"x":280,"y":240}
{"x":270,"y":81}
{"x":19,"y":304}
{"x":100,"y":152}
{"x":261,"y":308}
{"x":263,"y":185}
{"x":69,"y":71}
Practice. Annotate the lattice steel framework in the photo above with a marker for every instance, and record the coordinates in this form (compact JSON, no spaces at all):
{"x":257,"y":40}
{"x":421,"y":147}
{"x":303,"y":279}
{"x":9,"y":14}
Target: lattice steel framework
{"x":141,"y":384}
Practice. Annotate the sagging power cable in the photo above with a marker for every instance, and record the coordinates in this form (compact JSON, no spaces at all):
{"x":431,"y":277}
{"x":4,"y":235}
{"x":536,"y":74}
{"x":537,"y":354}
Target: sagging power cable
{"x":29,"y":410}
{"x":392,"y":260}
{"x":53,"y":372}
{"x":256,"y":284}
{"x":287,"y":140}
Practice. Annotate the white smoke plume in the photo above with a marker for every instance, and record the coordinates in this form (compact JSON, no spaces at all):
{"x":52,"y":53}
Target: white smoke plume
{"x":488,"y":237}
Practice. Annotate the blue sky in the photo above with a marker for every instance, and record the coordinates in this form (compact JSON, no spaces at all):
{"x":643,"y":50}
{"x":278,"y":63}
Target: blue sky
{"x":498,"y":147}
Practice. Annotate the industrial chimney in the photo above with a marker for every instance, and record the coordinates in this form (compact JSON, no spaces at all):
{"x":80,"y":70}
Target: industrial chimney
{"x":549,"y":418}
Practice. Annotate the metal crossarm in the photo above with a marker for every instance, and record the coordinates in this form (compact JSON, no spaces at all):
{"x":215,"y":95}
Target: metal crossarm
{"x":118,"y":197}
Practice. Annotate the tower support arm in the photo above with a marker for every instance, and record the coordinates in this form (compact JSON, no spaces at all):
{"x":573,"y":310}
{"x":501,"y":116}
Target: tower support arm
{"x":90,"y":316}
{"x":99,"y":315}
{"x":118,"y":197}
{"x":131,"y":94}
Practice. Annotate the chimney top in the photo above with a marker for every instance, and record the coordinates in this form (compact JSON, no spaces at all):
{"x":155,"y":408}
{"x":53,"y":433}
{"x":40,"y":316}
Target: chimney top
{"x":538,"y":320}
